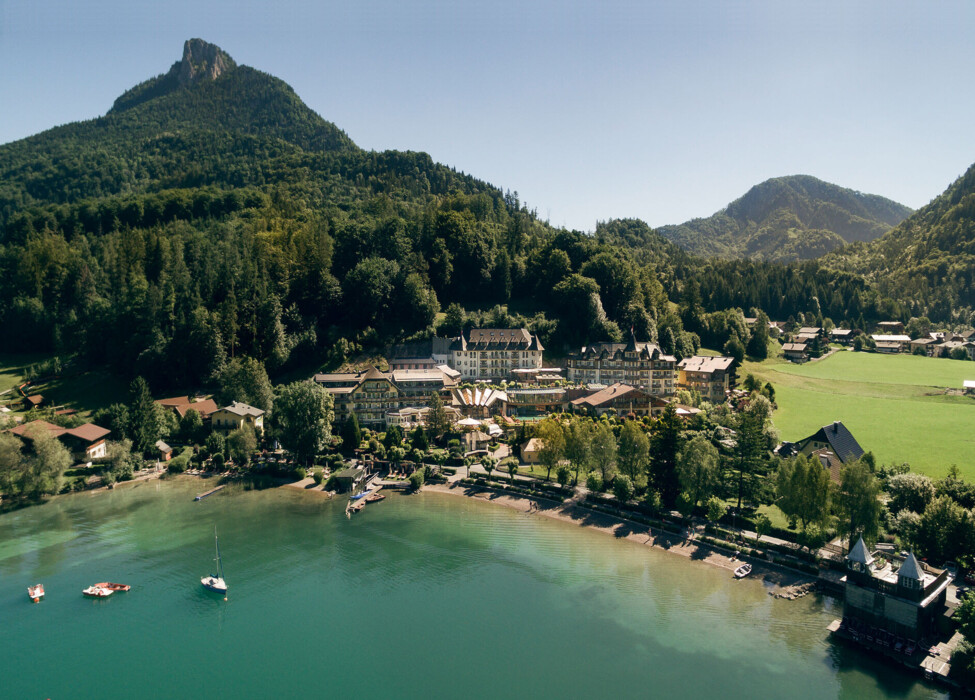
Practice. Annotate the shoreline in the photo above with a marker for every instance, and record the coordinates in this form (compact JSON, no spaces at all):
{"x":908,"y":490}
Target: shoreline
{"x":621,"y":528}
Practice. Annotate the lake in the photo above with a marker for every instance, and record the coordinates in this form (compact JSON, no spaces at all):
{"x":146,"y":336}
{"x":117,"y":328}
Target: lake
{"x":425,"y":596}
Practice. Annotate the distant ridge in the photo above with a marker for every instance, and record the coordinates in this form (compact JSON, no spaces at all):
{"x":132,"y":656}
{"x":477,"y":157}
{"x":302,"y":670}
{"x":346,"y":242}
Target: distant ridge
{"x":798,"y":217}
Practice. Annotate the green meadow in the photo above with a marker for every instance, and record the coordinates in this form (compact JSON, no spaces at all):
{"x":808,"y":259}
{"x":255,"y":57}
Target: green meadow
{"x":895,"y":405}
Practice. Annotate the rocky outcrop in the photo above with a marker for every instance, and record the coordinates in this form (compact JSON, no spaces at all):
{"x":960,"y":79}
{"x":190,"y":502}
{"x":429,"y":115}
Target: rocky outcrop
{"x":201,"y":61}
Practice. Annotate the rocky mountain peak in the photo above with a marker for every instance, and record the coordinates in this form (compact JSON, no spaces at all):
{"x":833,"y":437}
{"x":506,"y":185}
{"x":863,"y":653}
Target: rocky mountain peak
{"x":201,"y":61}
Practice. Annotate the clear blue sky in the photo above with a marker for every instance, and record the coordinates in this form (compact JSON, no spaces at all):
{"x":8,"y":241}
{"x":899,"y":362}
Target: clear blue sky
{"x":590,"y":110}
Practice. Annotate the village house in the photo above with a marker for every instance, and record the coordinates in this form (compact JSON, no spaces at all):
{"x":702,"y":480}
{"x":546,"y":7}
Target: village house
{"x":86,"y":442}
{"x":373,"y":395}
{"x":796,"y":352}
{"x":181,"y":404}
{"x":236,"y":416}
{"x":843,"y":336}
{"x":905,"y":600}
{"x":494,"y":353}
{"x":836,"y":438}
{"x":708,"y":376}
{"x":925,"y":345}
{"x":891,"y":343}
{"x":641,"y":365}
{"x":812,"y":332}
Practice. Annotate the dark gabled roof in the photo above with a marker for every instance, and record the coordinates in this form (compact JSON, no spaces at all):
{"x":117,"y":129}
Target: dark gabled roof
{"x":840,"y":440}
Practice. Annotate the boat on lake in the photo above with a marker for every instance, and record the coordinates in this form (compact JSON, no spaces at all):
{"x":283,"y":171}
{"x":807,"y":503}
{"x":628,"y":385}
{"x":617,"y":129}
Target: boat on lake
{"x":215,"y":582}
{"x":743,"y":571}
{"x":97,"y":592}
{"x":36,"y":592}
{"x":114,"y":587}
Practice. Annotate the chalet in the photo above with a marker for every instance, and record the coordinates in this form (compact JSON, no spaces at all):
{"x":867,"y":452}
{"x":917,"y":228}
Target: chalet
{"x":796,"y":352}
{"x":891,"y":343}
{"x":830,"y":463}
{"x":843,"y":336}
{"x":708,"y":376}
{"x":946,"y":348}
{"x":236,"y":415}
{"x":621,"y":398}
{"x":834,"y":437}
{"x":812,"y":331}
{"x":904,"y":599}
{"x":86,"y":442}
{"x":639,"y":364}
{"x":33,"y":401}
{"x":925,"y":345}
{"x":494,"y":353}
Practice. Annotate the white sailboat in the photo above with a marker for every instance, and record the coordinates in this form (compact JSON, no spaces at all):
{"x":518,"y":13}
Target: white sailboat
{"x":215,"y":582}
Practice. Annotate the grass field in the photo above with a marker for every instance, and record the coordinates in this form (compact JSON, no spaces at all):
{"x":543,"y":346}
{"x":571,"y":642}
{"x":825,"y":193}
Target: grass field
{"x":82,"y":391}
{"x":895,"y":405}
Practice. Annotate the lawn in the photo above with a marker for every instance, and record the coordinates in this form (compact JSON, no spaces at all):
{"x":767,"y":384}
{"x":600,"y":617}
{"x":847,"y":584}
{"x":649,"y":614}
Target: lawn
{"x":82,"y":391}
{"x":895,"y":405}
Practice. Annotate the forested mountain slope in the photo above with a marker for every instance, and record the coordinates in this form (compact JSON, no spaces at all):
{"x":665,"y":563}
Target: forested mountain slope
{"x":928,"y":261}
{"x":211,"y":215}
{"x":788,"y":218}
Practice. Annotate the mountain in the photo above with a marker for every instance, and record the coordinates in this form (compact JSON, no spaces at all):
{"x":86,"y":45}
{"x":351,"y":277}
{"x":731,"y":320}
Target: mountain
{"x":788,"y":218}
{"x":210,"y":214}
{"x":927,"y":262}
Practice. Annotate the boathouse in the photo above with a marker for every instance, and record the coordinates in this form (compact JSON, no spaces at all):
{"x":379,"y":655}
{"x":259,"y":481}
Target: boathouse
{"x":904,"y":600}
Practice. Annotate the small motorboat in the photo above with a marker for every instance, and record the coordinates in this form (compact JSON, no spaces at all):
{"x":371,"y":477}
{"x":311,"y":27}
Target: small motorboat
{"x":743,"y":571}
{"x":97,"y":592}
{"x":374,"y":497}
{"x":36,"y":592}
{"x":115,"y":587}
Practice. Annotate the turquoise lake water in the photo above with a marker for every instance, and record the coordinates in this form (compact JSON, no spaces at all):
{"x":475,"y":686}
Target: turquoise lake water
{"x":427,"y":596}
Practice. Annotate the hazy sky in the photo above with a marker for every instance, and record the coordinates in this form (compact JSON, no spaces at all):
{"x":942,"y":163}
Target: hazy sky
{"x":590,"y":110}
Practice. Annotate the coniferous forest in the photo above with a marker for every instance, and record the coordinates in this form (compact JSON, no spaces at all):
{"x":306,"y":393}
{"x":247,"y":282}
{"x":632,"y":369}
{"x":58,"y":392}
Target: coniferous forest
{"x":213,"y":217}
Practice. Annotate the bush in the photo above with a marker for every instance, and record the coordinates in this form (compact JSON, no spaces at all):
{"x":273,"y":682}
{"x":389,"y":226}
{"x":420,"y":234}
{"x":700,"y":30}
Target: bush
{"x":594,"y":482}
{"x":319,"y":476}
{"x":332,"y":483}
{"x":416,"y":480}
{"x":178,"y":465}
{"x":301,"y":473}
{"x":622,"y":488}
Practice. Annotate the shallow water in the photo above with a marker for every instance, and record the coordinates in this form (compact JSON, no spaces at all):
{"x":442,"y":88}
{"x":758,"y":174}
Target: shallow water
{"x":430,"y":596}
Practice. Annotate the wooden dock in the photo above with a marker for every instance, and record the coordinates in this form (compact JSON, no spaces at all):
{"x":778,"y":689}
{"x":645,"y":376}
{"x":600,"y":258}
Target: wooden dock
{"x":357,"y":504}
{"x":212,"y":491}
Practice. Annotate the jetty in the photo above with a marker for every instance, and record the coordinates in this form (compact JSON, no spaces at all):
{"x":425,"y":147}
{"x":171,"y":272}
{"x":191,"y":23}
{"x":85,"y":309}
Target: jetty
{"x":359,"y":500}
{"x":212,"y":491}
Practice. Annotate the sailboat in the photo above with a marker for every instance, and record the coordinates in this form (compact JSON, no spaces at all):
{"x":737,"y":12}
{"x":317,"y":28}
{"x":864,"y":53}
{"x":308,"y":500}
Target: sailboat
{"x":215,"y":582}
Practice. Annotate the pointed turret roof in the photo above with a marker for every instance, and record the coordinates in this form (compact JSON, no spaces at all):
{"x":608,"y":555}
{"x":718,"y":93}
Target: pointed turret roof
{"x":860,"y":554}
{"x":911,"y":569}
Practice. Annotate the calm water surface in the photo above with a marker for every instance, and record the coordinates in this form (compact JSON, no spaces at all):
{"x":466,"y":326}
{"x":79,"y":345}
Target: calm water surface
{"x":429,"y":596}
